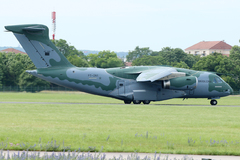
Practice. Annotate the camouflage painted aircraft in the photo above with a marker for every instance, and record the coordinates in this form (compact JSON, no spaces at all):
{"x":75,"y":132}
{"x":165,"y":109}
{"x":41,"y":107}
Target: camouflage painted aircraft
{"x":139,"y":84}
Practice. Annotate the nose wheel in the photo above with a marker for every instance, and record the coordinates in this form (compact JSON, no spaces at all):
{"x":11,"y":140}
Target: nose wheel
{"x":213,"y":102}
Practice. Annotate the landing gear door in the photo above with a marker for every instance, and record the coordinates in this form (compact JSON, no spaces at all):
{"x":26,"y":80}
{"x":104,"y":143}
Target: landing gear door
{"x":121,"y":87}
{"x":191,"y":92}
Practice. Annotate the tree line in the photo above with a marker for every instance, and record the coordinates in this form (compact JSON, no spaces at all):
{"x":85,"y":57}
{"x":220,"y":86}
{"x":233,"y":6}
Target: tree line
{"x":13,"y":66}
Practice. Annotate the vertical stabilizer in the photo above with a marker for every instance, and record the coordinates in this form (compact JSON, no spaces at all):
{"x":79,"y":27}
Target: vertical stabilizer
{"x":35,"y":41}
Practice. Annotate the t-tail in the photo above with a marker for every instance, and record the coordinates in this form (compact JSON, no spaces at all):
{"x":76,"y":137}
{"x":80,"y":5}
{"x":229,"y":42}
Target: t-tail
{"x":35,"y":41}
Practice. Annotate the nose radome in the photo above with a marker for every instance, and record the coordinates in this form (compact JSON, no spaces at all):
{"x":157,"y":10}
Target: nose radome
{"x":231,"y":90}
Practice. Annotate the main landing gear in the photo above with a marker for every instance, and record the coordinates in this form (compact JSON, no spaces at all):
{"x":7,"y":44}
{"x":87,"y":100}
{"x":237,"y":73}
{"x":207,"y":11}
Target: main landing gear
{"x":127,"y":101}
{"x":213,"y":102}
{"x":136,"y":102}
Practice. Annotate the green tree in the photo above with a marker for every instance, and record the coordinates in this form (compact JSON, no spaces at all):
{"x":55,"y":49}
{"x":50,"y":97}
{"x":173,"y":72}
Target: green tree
{"x":138,"y":53}
{"x":104,"y":59}
{"x":235,"y":53}
{"x":1,"y":69}
{"x":77,"y":61}
{"x":167,"y":56}
{"x":26,"y":80}
{"x":148,"y":60}
{"x":13,"y":65}
{"x":92,"y":59}
{"x":13,"y":69}
{"x":215,"y":62}
{"x":66,"y":49}
{"x":180,"y":65}
{"x":172,"y":56}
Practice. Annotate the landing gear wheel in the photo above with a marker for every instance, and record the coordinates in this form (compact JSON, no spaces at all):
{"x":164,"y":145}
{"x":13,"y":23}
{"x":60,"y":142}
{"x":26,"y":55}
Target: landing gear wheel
{"x":213,"y":102}
{"x":146,"y":102}
{"x":136,"y":101}
{"x":127,"y":101}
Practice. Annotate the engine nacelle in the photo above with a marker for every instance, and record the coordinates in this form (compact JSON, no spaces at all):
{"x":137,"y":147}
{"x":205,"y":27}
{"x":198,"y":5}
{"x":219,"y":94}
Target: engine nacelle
{"x":181,"y":83}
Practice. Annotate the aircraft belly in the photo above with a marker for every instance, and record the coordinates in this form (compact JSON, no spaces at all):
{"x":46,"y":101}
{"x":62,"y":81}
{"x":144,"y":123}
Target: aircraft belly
{"x":145,"y":95}
{"x":132,"y":90}
{"x":165,"y":94}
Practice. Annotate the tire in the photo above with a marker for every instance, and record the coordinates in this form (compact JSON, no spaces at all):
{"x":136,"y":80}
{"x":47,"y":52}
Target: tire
{"x":213,"y":102}
{"x":146,"y":102}
{"x":127,"y":101}
{"x":136,"y":101}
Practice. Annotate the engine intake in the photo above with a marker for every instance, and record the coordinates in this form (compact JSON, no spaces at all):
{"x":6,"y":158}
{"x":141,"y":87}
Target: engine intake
{"x":181,"y":83}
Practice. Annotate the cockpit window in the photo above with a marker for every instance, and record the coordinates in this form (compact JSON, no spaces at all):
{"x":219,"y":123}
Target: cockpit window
{"x":214,"y":80}
{"x":217,"y":80}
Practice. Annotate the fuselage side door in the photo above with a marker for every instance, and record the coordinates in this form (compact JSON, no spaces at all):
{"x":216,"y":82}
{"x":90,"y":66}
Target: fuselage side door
{"x":121,"y":87}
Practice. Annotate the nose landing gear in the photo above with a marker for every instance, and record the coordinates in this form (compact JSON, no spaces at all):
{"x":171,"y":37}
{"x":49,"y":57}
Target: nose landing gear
{"x":213,"y":102}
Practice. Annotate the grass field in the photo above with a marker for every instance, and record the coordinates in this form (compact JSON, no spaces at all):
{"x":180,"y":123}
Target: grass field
{"x":163,"y":126}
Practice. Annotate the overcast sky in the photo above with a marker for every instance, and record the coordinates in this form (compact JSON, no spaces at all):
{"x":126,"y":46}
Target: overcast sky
{"x":121,"y":25}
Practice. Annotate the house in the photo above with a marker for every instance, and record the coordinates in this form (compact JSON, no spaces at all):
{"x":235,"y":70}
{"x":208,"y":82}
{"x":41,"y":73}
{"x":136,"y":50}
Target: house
{"x":12,"y":50}
{"x":205,"y":48}
{"x":128,"y":64}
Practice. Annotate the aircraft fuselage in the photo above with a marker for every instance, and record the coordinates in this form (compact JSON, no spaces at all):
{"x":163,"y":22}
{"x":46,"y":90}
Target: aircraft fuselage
{"x":121,"y":83}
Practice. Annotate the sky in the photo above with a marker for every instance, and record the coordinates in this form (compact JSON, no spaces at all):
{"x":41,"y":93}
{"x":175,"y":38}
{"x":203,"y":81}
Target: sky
{"x":121,"y":25}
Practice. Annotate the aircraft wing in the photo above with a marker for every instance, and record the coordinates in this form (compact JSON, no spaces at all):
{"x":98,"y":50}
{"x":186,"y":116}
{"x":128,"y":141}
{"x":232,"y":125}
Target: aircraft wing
{"x":164,"y":73}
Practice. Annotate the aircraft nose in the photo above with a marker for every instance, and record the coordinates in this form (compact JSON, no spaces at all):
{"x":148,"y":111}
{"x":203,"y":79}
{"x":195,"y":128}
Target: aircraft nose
{"x":229,"y":89}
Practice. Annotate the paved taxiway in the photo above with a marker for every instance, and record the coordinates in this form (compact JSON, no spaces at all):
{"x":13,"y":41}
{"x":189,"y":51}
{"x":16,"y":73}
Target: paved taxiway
{"x":110,"y":104}
{"x":126,"y":155}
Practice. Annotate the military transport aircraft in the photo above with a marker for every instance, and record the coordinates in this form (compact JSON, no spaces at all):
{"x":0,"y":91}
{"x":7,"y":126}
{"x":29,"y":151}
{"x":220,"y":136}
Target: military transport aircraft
{"x":139,"y":84}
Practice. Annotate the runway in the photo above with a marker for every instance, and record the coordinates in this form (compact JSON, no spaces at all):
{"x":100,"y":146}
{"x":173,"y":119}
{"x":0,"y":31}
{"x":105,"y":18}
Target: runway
{"x":114,"y":104}
{"x":114,"y":155}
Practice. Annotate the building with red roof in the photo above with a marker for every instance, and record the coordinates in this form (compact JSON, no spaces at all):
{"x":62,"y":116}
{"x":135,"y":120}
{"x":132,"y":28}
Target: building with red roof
{"x":205,"y":48}
{"x":12,"y":50}
{"x":128,"y":64}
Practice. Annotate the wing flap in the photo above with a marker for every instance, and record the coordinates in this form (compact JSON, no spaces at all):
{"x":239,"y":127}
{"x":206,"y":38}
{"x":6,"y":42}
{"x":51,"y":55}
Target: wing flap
{"x":174,"y":75}
{"x":155,"y":74}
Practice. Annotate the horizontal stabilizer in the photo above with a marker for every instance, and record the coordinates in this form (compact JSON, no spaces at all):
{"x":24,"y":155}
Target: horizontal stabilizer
{"x":33,"y":29}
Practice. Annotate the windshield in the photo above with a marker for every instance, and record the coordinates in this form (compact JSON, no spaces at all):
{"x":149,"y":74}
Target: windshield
{"x":217,"y":80}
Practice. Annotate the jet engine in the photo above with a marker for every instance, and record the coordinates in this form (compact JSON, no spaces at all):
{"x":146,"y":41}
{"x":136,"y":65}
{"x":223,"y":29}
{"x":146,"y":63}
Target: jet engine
{"x":181,"y":83}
